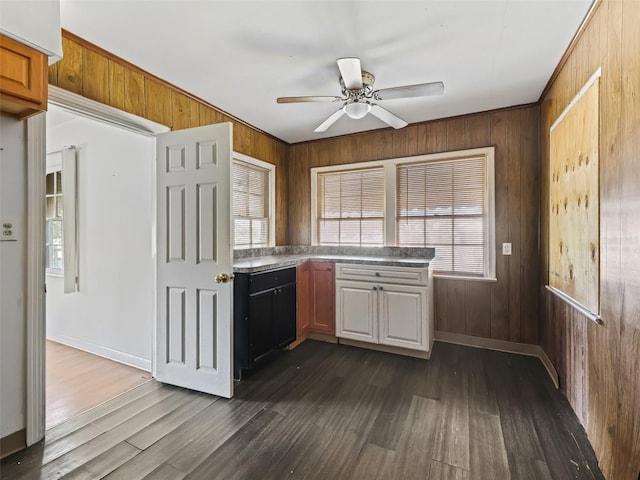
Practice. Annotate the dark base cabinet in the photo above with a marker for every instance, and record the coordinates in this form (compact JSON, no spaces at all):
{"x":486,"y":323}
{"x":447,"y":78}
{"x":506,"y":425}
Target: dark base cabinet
{"x":264,"y":315}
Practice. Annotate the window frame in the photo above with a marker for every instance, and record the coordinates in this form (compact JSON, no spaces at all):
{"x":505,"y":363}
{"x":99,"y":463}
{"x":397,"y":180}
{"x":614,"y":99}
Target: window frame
{"x":54,"y":169}
{"x":271,"y":197}
{"x":390,"y":200}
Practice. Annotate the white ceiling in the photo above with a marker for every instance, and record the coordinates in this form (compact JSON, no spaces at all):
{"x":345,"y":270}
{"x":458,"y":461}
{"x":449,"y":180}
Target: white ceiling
{"x":241,"y":55}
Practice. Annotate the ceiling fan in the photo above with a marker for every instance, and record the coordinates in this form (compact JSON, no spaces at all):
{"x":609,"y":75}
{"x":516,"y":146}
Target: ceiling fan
{"x":358,"y":95}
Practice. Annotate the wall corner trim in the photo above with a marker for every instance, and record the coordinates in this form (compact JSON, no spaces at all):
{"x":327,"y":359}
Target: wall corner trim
{"x":502,"y":346}
{"x":35,"y":381}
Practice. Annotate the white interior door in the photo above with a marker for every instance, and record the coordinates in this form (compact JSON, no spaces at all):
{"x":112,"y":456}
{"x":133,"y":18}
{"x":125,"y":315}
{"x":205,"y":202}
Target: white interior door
{"x":194,"y":326}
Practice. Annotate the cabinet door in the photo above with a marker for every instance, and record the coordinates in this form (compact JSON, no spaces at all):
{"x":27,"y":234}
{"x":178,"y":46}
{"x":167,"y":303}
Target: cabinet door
{"x":261,"y":331}
{"x":356,"y":312}
{"x":403,"y":316}
{"x":322,"y":303}
{"x":23,"y":78}
{"x":284,"y":315}
{"x":303,"y":293}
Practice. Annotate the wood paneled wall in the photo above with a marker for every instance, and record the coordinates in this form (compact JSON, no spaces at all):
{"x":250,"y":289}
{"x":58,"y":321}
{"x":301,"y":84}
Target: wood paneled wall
{"x":506,"y":309}
{"x":599,"y":365}
{"x":94,"y":73}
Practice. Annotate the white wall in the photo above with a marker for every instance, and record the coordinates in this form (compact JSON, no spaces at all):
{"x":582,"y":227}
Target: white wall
{"x":13,"y":267}
{"x":112,"y":314}
{"x":35,"y":23}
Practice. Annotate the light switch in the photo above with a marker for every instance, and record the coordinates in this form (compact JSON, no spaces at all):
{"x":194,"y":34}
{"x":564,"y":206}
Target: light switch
{"x":8,"y":231}
{"x":506,"y":249}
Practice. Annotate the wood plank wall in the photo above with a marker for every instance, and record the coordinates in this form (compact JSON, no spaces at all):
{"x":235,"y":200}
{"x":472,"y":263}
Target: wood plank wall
{"x":599,"y":366}
{"x":90,"y":71}
{"x":503,"y":310}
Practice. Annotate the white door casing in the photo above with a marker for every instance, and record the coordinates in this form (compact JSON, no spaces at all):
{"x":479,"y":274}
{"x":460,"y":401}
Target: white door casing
{"x":194,"y":326}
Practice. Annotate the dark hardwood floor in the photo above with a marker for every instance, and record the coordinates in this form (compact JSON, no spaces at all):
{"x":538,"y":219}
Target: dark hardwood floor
{"x":326,"y":411}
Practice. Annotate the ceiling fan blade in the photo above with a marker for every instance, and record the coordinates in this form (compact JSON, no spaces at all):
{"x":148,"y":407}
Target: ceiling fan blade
{"x":387,"y":117}
{"x":329,"y":121}
{"x":351,"y":72}
{"x":408,"y":91}
{"x":308,"y":99}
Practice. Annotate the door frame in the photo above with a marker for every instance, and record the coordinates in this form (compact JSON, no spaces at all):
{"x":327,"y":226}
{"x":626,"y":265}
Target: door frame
{"x":35,"y":293}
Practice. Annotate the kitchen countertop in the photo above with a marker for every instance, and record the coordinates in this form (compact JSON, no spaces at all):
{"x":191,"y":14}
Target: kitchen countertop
{"x":281,"y":259}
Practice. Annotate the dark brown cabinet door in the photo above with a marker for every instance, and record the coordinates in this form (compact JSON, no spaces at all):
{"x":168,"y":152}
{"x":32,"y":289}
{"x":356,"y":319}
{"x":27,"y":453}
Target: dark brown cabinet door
{"x":322,"y":298}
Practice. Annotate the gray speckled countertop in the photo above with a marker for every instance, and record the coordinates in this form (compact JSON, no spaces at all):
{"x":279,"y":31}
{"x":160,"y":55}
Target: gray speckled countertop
{"x":279,"y":257}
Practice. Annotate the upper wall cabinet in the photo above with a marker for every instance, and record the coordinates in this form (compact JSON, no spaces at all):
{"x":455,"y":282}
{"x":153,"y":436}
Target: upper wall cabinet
{"x":23,"y":79}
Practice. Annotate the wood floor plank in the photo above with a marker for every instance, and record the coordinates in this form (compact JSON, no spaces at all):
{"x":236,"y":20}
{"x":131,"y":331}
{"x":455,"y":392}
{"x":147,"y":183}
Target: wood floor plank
{"x":157,"y":430}
{"x":329,"y":411}
{"x":104,"y":463}
{"x":72,"y":386}
{"x":488,"y":455}
{"x":89,"y":416}
{"x":442,"y":471}
{"x":374,"y":463}
{"x":90,"y":450}
{"x":417,"y":444}
{"x":165,"y":472}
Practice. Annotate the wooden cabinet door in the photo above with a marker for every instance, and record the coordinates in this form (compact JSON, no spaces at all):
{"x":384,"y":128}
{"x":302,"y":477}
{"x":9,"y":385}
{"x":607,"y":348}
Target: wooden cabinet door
{"x":322,"y":299}
{"x":356,"y":312}
{"x":402,"y":315}
{"x":23,"y":78}
{"x":303,"y":294}
{"x":284,"y":315}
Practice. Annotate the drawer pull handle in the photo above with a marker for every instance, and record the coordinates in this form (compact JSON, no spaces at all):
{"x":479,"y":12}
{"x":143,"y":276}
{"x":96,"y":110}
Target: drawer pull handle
{"x":377,"y":274}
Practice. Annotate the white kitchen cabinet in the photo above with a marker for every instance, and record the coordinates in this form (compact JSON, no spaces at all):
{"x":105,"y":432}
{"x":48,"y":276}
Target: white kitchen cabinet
{"x":356,"y":311}
{"x":385,"y":305}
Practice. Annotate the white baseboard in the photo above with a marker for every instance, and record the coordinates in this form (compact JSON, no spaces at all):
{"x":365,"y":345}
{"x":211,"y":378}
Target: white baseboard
{"x":101,"y":351}
{"x":502,"y":346}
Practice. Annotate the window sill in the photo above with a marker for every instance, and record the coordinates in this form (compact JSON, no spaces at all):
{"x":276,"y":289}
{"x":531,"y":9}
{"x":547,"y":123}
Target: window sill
{"x":463,"y":277}
{"x":55,"y":274}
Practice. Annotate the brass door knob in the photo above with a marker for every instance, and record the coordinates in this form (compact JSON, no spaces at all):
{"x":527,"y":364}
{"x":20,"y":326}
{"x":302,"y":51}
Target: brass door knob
{"x":223,"y":277}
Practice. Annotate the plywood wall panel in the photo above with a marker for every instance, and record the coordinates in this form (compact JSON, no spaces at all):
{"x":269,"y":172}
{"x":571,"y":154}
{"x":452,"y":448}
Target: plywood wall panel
{"x":134,"y":93}
{"x":116,"y":85}
{"x":88,"y":70}
{"x":605,"y":388}
{"x":481,"y":310}
{"x":157,"y":99}
{"x":70,"y":67}
{"x":95,"y":76}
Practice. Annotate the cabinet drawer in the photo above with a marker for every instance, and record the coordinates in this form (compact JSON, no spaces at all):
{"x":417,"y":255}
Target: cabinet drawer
{"x":373,"y":273}
{"x":271,"y":279}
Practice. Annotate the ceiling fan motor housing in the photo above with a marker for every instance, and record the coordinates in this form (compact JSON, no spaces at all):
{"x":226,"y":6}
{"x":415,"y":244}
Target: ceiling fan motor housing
{"x":367,"y":86}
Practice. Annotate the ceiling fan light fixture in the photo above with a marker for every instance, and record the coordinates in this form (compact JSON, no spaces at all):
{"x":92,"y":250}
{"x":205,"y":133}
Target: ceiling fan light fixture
{"x":357,"y":110}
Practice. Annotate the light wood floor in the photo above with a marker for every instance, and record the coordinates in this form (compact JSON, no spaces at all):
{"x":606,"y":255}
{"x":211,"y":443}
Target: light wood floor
{"x":78,"y":381}
{"x":327,"y":411}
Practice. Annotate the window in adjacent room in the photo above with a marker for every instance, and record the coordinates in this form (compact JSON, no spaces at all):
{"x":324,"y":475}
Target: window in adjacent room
{"x":54,"y":211}
{"x":253,"y":199}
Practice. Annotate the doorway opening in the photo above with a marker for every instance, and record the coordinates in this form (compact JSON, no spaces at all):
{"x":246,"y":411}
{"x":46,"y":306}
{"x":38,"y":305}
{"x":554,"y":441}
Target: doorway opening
{"x":100,"y":251}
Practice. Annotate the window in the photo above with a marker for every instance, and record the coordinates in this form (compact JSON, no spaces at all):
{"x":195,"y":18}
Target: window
{"x":351,"y":207}
{"x":443,"y":200}
{"x":61,"y":236}
{"x":54,"y":210}
{"x":253,"y":193}
{"x":443,"y":204}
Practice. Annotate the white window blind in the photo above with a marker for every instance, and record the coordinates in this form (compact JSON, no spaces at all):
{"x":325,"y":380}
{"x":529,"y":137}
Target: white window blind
{"x":443,"y":204}
{"x":350,"y":207}
{"x":250,"y":200}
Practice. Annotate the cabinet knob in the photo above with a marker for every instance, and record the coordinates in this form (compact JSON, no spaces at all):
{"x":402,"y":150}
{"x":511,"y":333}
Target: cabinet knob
{"x":380,"y":288}
{"x":375,"y":288}
{"x":377,"y":274}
